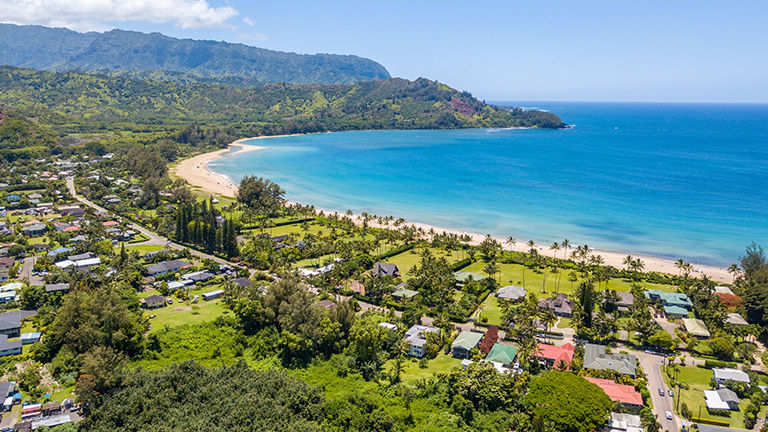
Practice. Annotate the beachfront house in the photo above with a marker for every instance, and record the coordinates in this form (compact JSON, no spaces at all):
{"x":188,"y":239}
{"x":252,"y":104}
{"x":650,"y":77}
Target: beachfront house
{"x":464,"y":343}
{"x":511,"y":292}
{"x":560,"y":304}
{"x":416,"y":338}
{"x":676,"y":305}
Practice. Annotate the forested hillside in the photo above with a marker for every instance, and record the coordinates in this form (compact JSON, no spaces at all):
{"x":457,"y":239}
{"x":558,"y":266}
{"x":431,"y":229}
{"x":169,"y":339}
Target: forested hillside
{"x":58,"y":49}
{"x":21,"y":138}
{"x":77,"y":102}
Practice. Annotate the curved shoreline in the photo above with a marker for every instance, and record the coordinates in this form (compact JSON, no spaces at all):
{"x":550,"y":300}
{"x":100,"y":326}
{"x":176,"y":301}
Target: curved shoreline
{"x":196,"y":172}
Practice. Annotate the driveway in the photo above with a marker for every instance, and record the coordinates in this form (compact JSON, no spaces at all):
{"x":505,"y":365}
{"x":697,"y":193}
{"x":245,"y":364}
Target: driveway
{"x":651,"y":364}
{"x":26,"y":271}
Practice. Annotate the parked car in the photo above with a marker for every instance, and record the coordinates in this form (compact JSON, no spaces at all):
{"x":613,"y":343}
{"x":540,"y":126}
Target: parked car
{"x":668,"y":415}
{"x":671,"y":393}
{"x":170,"y":301}
{"x":661,"y":392}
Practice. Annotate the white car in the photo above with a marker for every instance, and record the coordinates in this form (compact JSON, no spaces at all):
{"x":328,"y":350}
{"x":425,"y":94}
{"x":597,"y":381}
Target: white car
{"x":668,"y":415}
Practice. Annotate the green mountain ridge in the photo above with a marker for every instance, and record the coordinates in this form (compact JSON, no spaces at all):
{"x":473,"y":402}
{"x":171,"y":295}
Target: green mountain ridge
{"x":73,"y":102}
{"x":120,"y":51}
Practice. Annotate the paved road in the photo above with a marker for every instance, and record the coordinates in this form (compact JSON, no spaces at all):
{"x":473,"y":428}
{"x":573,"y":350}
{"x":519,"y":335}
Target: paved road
{"x":154,"y":238}
{"x":651,"y":364}
{"x":26,"y":271}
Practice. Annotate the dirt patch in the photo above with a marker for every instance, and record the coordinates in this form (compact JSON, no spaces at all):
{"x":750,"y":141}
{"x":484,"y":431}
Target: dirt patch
{"x":183,"y":308}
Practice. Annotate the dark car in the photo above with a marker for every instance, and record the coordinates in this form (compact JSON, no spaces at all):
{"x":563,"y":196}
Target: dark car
{"x":661,"y":391}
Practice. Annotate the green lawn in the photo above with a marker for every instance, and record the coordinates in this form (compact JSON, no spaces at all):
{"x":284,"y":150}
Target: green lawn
{"x":546,"y":284}
{"x":491,"y":310}
{"x":143,"y":249}
{"x":412,"y":372}
{"x":406,"y":260}
{"x":180,"y":313}
{"x":564,"y":323}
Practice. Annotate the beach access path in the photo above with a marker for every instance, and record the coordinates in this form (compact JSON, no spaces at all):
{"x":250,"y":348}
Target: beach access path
{"x":196,"y":172}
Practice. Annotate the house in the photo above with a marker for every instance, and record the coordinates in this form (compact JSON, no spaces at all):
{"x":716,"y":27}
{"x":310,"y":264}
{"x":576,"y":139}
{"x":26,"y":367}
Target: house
{"x":511,"y":292}
{"x":721,"y":289}
{"x":404,"y":294}
{"x":78,"y":239}
{"x":552,"y":355}
{"x":34,"y":195}
{"x":327,"y":304}
{"x":675,"y":312}
{"x":59,"y":226}
{"x":58,"y":251}
{"x":153,"y":301}
{"x":729,"y":374}
{"x":108,"y":224}
{"x":200,"y":276}
{"x":560,"y":304}
{"x":382,"y":269}
{"x":3,"y":276}
{"x":463,"y":277}
{"x":709,"y":428}
{"x":82,"y":256}
{"x":735,"y":319}
{"x":416,"y":337}
{"x":243,"y":282}
{"x":174,"y":285}
{"x":7,"y":389}
{"x":502,"y":353}
{"x":34,"y":230}
{"x":595,"y":357}
{"x":623,"y":422}
{"x":8,"y":348}
{"x":714,"y":402}
{"x":464,"y":343}
{"x":6,"y":263}
{"x":388,"y":326}
{"x":669,"y":298}
{"x":624,"y":394}
{"x":57,"y":287}
{"x":71,"y":229}
{"x":696,"y":327}
{"x":166,"y":267}
{"x":152,"y":254}
{"x":30,"y":338}
{"x":210,"y":295}
{"x":730,"y":398}
{"x":71,"y":211}
{"x":10,"y":324}
{"x":626,"y":300}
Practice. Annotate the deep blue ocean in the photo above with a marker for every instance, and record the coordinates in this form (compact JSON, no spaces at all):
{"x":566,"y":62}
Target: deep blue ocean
{"x":671,"y":180}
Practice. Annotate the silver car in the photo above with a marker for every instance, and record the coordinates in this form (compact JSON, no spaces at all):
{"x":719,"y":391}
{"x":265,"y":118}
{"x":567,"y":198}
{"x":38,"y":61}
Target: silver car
{"x":668,"y":415}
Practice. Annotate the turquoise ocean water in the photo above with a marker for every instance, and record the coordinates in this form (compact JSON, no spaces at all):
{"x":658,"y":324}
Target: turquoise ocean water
{"x":672,"y":180}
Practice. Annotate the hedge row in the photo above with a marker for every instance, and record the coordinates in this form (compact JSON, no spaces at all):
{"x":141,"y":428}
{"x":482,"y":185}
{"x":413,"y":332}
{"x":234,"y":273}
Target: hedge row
{"x":395,"y":251}
{"x":709,"y":364}
{"x":458,"y":265}
{"x":290,"y":222}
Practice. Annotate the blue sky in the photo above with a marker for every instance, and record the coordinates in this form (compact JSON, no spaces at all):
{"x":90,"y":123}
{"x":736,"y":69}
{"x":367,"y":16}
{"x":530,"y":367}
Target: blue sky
{"x":689,"y":51}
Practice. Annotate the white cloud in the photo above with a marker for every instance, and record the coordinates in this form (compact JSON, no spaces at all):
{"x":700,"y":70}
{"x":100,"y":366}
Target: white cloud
{"x":94,"y":14}
{"x":249,"y":22}
{"x":252,"y":36}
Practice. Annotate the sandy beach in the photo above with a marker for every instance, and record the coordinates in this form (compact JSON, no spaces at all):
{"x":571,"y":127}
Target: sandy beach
{"x":196,"y":172}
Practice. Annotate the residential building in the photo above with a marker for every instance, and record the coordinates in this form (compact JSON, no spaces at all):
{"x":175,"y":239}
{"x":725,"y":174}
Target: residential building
{"x":210,"y":295}
{"x":243,"y":282}
{"x":404,"y":294}
{"x":624,"y":394}
{"x":10,"y":324}
{"x":34,"y":230}
{"x":674,"y":312}
{"x":416,"y":337}
{"x":200,"y":276}
{"x":595,"y":357}
{"x":714,"y":402}
{"x":3,"y":276}
{"x":511,"y":292}
{"x":153,"y":301}
{"x":8,"y":348}
{"x":502,"y":353}
{"x":729,"y":374}
{"x":552,"y":355}
{"x":57,"y":287}
{"x":464,"y":343}
{"x":6,"y":263}
{"x":696,"y":327}
{"x":166,"y":267}
{"x":669,"y":298}
{"x":721,"y":289}
{"x":623,"y":422}
{"x":560,"y":304}
{"x":382,"y":269}
{"x":736,"y":319}
{"x":30,"y":338}
{"x":626,"y":300}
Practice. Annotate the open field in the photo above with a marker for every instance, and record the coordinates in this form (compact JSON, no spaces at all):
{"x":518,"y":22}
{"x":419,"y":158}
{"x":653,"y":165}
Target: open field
{"x":412,"y":372}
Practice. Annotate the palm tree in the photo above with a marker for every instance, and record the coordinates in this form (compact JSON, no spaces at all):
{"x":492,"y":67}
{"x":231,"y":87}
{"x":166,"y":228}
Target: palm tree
{"x":555,"y":247}
{"x":628,"y":260}
{"x":638,"y":265}
{"x":548,"y":318}
{"x":680,"y":263}
{"x":511,"y":241}
{"x":565,"y":244}
{"x":734,"y":269}
{"x":532,"y":245}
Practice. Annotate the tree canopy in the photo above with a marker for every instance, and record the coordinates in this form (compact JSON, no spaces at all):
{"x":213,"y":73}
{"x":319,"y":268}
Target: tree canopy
{"x":568,"y":401}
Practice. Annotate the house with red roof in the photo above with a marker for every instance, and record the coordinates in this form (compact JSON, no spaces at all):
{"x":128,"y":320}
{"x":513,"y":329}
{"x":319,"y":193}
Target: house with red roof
{"x":110,"y":223}
{"x":553,"y":355}
{"x":71,"y":228}
{"x":624,"y":394}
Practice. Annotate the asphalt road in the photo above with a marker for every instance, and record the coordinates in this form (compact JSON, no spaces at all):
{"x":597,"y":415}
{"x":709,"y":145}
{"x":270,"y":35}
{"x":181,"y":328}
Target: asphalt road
{"x":26,"y":271}
{"x":651,"y":364}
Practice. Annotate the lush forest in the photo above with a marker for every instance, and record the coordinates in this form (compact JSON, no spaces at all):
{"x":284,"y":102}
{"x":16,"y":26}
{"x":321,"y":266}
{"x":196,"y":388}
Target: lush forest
{"x":76,"y":102}
{"x":119,"y":51}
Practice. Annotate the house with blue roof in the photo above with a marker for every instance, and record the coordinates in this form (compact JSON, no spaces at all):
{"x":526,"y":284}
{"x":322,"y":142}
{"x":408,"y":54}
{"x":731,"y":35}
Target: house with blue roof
{"x":30,"y":338}
{"x":58,"y":251}
{"x":670,"y":298}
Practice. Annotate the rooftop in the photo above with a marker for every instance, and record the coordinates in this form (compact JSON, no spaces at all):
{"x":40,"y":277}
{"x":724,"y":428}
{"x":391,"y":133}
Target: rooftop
{"x":502,"y":353}
{"x":467,"y":340}
{"x":696,"y":327}
{"x":625,"y":394}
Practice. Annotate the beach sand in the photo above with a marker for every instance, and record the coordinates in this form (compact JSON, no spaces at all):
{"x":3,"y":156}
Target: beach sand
{"x":196,"y":172}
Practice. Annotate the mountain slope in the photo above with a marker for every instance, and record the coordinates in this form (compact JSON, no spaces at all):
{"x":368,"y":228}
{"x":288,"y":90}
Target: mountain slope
{"x":72,"y":101}
{"x":57,"y":49}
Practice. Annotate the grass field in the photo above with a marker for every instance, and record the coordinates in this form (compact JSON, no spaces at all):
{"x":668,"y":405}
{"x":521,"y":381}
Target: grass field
{"x":406,"y":260}
{"x":185,"y":313}
{"x":143,"y":249}
{"x":491,"y":310}
{"x":546,"y":284}
{"x":412,"y":372}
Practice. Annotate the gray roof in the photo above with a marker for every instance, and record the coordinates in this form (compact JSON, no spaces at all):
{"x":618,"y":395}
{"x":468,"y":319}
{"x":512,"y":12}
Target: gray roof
{"x":9,"y":320}
{"x":728,"y":395}
{"x":416,"y":334}
{"x":729,"y":374}
{"x":57,"y":287}
{"x":82,"y":256}
{"x":242,"y":282}
{"x":511,"y":292}
{"x":6,"y":389}
{"x":6,"y":345}
{"x":198,"y":276}
{"x":166,"y":266}
{"x":625,"y":299}
{"x":595,"y":357}
{"x":708,"y":428}
{"x":154,"y":299}
{"x":385,"y":269}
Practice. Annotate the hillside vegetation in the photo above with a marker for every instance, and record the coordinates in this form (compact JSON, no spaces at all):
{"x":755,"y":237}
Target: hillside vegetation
{"x":77,"y":102}
{"x":157,"y":55}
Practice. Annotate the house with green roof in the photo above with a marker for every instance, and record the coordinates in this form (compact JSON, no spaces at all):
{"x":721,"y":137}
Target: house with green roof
{"x":462,"y":277}
{"x":404,"y":294}
{"x":696,"y":327}
{"x":675,"y":312}
{"x":669,"y":298}
{"x":502,"y":353}
{"x":464,"y":343}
